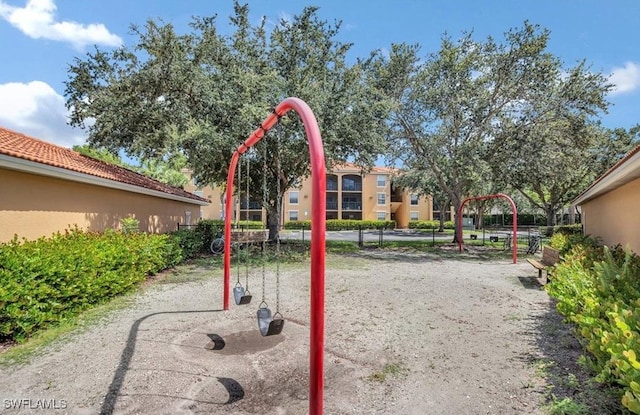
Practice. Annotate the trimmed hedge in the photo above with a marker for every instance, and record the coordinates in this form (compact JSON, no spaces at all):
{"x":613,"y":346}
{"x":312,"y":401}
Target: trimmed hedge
{"x":50,"y":279}
{"x":430,"y":224}
{"x":343,"y":224}
{"x":598,"y":290}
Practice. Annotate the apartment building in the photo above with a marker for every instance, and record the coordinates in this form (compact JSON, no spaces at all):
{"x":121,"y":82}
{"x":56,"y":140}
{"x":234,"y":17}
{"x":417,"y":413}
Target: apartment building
{"x":215,"y":209}
{"x":351,"y":194}
{"x":354,"y":195}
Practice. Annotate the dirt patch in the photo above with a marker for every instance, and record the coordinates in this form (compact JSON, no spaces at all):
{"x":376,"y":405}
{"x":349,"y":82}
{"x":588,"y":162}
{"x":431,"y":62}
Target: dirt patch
{"x":405,"y":333}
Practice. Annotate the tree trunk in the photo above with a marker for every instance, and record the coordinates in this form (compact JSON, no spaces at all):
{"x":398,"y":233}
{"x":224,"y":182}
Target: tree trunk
{"x":551,"y":217}
{"x":458,"y":221}
{"x":274,"y":220}
{"x":572,"y":215}
{"x":273,"y":224}
{"x":443,"y":216}
{"x":551,"y":220}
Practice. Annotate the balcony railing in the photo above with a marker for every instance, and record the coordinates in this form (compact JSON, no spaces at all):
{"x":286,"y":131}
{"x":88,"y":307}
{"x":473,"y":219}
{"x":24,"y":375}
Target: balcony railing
{"x":351,"y":206}
{"x":351,"y":187}
{"x":252,"y":205}
{"x":332,"y":205}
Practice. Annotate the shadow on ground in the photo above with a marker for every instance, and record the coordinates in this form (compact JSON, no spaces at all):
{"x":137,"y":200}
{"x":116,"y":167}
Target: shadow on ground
{"x":234,"y":389}
{"x":568,"y":382}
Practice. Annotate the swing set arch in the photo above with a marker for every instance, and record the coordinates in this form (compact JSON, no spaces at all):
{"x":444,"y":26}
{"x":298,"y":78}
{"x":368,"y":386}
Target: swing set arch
{"x":318,"y":222}
{"x":514,"y":210}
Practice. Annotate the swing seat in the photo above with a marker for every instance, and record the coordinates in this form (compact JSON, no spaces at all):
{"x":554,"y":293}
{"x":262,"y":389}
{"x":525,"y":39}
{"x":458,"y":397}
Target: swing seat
{"x":241,"y":296}
{"x":268,"y":325}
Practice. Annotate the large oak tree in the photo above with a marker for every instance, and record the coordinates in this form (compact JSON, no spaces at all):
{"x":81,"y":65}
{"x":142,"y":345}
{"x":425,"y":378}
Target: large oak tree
{"x":202,"y":93}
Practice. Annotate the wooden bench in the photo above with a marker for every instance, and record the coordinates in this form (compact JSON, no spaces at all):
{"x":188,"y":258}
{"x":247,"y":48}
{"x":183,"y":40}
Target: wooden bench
{"x":550,"y":257}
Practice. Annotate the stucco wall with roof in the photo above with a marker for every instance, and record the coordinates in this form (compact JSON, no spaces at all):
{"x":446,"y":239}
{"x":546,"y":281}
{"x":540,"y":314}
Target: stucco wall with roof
{"x":32,"y":206}
{"x":613,"y":216}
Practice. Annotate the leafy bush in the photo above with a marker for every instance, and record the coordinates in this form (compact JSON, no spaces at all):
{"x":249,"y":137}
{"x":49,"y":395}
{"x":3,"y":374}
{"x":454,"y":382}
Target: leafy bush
{"x":130,"y":225}
{"x":565,"y":242}
{"x":430,"y":224}
{"x":50,"y":279}
{"x":190,"y":242}
{"x":344,"y":224}
{"x":598,"y":289}
{"x":298,"y":224}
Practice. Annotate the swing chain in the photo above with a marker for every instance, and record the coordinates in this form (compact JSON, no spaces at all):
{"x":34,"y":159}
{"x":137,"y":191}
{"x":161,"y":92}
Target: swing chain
{"x":278,"y":212}
{"x":264,"y":201}
{"x":246,"y":247}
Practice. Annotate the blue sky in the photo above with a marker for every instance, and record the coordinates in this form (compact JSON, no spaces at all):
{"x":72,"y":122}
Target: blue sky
{"x":39,"y":39}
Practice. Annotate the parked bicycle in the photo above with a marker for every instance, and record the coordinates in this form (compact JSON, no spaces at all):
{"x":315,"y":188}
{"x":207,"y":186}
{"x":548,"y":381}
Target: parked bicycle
{"x":217,"y":244}
{"x":534,"y":244}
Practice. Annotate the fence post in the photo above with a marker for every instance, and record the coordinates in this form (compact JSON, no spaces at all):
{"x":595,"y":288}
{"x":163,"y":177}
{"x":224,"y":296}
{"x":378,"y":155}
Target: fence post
{"x":360,"y":237}
{"x":433,"y":236}
{"x":380,"y":237}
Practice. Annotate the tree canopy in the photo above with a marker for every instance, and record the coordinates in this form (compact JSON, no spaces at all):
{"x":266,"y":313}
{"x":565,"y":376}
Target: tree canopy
{"x":482,"y":111}
{"x":200,"y":94}
{"x":474,"y":115}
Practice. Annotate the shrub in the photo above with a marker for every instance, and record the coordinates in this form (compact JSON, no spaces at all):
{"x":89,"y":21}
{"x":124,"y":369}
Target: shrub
{"x":424,"y":224}
{"x":189,"y":242}
{"x":298,"y":224}
{"x":344,"y":224}
{"x":130,"y":225}
{"x":50,"y":279}
{"x":598,"y":289}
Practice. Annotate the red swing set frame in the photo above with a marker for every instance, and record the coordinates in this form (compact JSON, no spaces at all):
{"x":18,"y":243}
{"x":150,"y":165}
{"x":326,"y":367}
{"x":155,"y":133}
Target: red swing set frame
{"x":514,"y":210}
{"x":318,"y":224}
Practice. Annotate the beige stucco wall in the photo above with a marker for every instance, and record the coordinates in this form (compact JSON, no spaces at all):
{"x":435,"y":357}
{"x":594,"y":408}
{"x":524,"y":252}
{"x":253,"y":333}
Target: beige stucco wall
{"x":304,"y":205}
{"x":213,"y":210}
{"x":613,"y":217}
{"x":424,"y":208}
{"x":32,"y":206}
{"x":370,"y":190}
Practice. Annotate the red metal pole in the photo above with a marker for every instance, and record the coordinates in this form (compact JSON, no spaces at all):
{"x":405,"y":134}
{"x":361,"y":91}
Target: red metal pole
{"x":459,"y":226}
{"x":318,"y":225}
{"x":227,"y":229}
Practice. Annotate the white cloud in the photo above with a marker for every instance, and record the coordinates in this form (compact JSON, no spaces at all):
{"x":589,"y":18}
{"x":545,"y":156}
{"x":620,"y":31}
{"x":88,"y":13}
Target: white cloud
{"x":36,"y":20}
{"x":37,"y":110}
{"x":625,"y":79}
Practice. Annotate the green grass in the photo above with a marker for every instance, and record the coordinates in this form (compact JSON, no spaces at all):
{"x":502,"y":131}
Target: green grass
{"x":567,"y":406}
{"x":395,"y":370}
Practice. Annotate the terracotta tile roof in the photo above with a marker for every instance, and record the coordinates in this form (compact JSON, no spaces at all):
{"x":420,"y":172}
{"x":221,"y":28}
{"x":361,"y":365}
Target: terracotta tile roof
{"x":347,"y":166}
{"x":21,"y":146}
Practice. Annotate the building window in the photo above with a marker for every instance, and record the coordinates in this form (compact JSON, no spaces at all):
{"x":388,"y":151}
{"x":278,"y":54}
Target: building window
{"x":293,"y":198}
{"x":382,"y":199}
{"x":351,"y":184}
{"x":293,"y":215}
{"x":382,"y":180}
{"x":382,"y":215}
{"x":414,"y":215}
{"x":351,"y":203}
{"x":414,"y":200}
{"x":332,"y":182}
